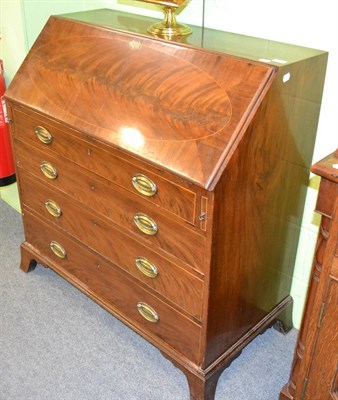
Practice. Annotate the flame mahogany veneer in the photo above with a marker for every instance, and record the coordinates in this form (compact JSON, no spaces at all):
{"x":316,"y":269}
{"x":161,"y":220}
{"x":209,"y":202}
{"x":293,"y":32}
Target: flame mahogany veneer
{"x":167,"y":179}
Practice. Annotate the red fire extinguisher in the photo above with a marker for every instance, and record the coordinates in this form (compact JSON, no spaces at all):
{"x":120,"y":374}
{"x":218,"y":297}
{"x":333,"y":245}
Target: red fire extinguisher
{"x":7,"y":171}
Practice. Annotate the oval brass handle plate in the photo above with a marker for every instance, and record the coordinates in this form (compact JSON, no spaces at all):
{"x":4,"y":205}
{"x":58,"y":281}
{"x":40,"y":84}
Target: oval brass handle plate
{"x":144,"y":185}
{"x":43,"y":134}
{"x":146,"y":267}
{"x":145,"y":224}
{"x":48,"y":170}
{"x":147,"y":312}
{"x":57,"y":249}
{"x":53,"y":208}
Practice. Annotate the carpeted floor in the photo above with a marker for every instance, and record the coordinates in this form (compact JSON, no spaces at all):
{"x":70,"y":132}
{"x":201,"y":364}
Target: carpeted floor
{"x":57,"y":344}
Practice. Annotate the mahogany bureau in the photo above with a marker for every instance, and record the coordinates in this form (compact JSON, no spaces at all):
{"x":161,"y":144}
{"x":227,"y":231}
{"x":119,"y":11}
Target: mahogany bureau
{"x":166,"y":179}
{"x":314,"y":374}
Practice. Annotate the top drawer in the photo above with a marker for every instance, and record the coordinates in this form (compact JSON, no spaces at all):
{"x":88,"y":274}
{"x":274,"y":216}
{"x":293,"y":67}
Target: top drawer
{"x":83,"y":150}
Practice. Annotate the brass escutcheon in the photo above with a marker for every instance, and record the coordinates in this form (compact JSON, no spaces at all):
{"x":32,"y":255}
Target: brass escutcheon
{"x":57,"y":249}
{"x":43,"y":134}
{"x":144,"y":185}
{"x":53,"y":208}
{"x":147,"y":312}
{"x":146,"y":267}
{"x":48,"y":170}
{"x":145,"y":224}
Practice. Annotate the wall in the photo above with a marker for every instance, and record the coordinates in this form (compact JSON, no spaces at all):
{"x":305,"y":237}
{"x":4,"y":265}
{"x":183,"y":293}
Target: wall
{"x":302,"y":22}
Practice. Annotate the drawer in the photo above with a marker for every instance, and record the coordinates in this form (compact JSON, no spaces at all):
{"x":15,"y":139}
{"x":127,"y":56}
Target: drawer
{"x":103,"y":282}
{"x":117,"y":204}
{"x":170,"y":280}
{"x":82,"y":150}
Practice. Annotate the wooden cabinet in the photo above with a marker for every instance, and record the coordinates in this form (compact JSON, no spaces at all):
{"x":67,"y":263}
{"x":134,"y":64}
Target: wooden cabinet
{"x":315,"y":366}
{"x":166,"y":179}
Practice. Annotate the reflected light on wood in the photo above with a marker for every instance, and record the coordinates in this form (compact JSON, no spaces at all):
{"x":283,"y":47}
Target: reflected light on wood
{"x":132,"y":137}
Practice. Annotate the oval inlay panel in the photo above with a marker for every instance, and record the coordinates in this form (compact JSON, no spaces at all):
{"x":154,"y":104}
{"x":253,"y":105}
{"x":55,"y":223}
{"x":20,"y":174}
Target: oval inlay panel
{"x":122,"y":84}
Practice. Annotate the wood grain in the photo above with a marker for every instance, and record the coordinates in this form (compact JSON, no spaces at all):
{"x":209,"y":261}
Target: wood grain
{"x":169,"y":105}
{"x":85,"y":152}
{"x":91,"y":273}
{"x":176,"y":283}
{"x":325,"y":359}
{"x":115,"y":204}
{"x":256,"y":225}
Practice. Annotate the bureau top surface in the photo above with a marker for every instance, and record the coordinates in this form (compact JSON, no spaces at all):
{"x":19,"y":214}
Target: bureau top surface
{"x":178,"y":107}
{"x":327,"y":167}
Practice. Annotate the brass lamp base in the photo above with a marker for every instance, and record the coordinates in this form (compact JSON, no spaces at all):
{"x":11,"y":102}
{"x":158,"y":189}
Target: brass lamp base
{"x":169,"y":27}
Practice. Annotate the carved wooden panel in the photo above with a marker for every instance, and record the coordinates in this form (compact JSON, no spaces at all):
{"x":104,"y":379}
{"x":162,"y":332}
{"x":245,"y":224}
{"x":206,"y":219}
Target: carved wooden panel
{"x":314,"y":370}
{"x":321,"y":378}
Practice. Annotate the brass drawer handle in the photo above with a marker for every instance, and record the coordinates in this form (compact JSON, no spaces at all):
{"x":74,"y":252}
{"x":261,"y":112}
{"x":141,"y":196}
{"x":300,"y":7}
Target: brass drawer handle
{"x":53,"y":208}
{"x":146,"y":267}
{"x":43,"y":134}
{"x":48,"y":170}
{"x":145,"y":224}
{"x":144,"y":185}
{"x":147,"y":312}
{"x":57,"y":249}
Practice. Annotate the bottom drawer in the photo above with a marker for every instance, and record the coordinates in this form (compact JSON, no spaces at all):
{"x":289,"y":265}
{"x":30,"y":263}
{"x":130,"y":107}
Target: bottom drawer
{"x":113,"y":289}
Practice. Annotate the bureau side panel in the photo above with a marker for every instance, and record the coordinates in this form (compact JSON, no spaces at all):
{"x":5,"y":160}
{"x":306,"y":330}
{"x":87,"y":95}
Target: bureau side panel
{"x":259,"y":204}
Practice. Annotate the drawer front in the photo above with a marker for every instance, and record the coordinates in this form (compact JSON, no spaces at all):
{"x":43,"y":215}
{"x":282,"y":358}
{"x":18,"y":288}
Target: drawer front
{"x":115,"y":290}
{"x":47,"y":136}
{"x":168,"y":279}
{"x":115,"y":203}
